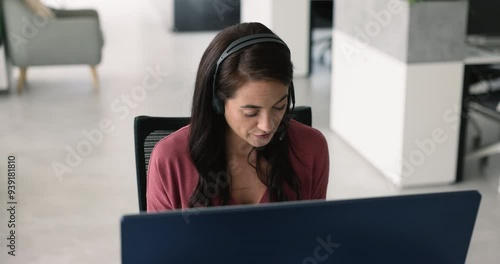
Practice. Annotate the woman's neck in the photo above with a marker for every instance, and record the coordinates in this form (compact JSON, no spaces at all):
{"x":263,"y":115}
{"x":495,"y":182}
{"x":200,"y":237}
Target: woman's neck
{"x":236,"y":147}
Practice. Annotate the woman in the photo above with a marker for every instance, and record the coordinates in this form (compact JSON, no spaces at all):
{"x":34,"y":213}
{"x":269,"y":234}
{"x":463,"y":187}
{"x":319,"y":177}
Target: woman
{"x":241,"y":146}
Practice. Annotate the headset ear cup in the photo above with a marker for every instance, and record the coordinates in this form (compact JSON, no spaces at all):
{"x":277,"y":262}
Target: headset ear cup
{"x":219,"y":107}
{"x":286,"y":120}
{"x":217,"y":104}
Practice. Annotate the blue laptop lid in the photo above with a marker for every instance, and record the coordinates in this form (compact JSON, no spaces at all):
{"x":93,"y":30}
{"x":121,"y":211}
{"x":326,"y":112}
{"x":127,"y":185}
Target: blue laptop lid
{"x":423,"y":228}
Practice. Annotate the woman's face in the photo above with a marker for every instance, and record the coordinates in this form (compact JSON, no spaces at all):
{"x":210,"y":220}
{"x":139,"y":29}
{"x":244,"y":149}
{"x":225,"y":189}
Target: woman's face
{"x":255,"y":111}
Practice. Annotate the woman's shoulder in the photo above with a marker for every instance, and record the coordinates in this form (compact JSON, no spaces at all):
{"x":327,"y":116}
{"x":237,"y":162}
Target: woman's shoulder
{"x":171,"y":174}
{"x":309,"y":155}
{"x":304,"y":135}
{"x":174,"y":144}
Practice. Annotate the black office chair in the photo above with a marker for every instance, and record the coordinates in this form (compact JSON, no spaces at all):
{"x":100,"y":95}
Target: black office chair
{"x":149,"y":130}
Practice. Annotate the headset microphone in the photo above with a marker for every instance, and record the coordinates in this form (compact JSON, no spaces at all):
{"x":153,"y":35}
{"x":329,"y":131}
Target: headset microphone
{"x":283,"y":133}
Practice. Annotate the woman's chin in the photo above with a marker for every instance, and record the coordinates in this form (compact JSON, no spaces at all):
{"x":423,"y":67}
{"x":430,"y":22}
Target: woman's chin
{"x":260,"y":142}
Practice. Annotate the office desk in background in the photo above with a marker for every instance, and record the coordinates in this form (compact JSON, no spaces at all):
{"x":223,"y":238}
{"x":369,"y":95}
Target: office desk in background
{"x":476,"y":56}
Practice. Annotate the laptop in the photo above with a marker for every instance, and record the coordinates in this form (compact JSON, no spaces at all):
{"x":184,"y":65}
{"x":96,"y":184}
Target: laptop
{"x":422,"y":228}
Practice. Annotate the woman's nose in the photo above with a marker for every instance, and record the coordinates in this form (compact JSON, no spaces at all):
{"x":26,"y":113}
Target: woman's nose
{"x":266,"y":123}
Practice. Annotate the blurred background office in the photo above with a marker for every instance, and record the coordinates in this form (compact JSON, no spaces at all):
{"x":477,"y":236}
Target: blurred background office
{"x":404,"y":92}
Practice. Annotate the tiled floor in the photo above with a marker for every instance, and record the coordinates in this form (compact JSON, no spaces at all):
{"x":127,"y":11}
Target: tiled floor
{"x":74,"y":217}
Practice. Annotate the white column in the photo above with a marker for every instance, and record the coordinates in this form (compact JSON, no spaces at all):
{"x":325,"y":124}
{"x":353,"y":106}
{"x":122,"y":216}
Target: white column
{"x":396,"y":89}
{"x":289,"y":20}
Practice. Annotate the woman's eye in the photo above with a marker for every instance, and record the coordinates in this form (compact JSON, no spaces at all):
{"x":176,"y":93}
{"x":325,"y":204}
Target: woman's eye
{"x":280,"y":108}
{"x":250,"y":115}
{"x":255,"y":114}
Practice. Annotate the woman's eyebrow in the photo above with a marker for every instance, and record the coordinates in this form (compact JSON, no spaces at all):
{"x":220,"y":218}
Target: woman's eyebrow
{"x":257,"y":107}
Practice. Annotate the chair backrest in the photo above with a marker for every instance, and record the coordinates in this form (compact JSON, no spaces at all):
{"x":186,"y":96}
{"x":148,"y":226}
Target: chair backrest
{"x":149,"y":130}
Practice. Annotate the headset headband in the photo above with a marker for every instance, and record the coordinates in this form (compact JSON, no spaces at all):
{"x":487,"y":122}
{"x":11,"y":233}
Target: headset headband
{"x":247,"y":41}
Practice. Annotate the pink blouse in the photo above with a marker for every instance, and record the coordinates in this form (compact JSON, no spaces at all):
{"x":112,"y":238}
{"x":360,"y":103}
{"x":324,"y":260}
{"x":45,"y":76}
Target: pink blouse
{"x":172,"y":177}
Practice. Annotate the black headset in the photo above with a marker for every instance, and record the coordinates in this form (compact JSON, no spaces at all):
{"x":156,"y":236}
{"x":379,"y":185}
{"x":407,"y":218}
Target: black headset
{"x":238,"y":45}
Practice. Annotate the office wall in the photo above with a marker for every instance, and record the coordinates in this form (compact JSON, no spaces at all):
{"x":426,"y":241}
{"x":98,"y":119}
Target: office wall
{"x":290,"y":20}
{"x":257,"y":10}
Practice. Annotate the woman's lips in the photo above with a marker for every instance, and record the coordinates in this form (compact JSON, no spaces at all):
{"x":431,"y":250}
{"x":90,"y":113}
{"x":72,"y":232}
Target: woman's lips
{"x":264,"y":136}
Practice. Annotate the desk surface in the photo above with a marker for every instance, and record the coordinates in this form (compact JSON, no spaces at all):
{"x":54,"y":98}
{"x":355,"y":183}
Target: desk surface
{"x":479,"y":55}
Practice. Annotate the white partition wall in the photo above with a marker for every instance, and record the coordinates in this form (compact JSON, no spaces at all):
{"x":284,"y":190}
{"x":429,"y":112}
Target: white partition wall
{"x":397,"y":71}
{"x":290,"y":20}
